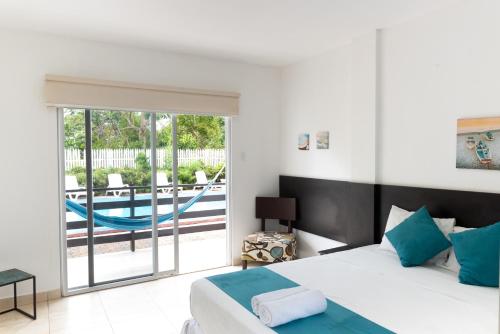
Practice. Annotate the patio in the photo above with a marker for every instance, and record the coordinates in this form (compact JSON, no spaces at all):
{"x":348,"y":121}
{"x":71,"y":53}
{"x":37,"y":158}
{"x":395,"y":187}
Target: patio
{"x":120,"y":254}
{"x":197,"y":251}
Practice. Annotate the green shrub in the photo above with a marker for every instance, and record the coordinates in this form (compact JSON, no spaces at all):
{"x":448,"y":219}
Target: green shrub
{"x":142,"y":177}
{"x":168,"y":158}
{"x":101,"y":177}
{"x":142,"y":162}
{"x":187,"y":173}
{"x":77,"y":170}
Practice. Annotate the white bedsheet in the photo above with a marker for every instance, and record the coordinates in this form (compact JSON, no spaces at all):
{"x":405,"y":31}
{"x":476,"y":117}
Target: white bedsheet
{"x":372,"y":283}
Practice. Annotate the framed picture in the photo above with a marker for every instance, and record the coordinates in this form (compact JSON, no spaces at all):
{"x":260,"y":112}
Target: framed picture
{"x":323,"y":140}
{"x":304,"y":142}
{"x":478,"y":143}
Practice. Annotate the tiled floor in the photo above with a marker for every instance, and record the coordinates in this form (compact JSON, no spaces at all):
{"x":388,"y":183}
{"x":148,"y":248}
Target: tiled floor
{"x":159,"y":306}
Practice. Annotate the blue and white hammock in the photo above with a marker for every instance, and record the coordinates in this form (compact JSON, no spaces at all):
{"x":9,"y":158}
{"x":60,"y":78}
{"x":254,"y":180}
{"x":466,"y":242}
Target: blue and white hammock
{"x":132,"y":224}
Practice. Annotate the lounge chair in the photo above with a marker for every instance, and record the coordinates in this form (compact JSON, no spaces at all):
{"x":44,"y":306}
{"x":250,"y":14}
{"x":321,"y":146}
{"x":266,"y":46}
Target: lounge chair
{"x":162,"y":181}
{"x":201,"y":178}
{"x":115,"y":181}
{"x":71,"y":183}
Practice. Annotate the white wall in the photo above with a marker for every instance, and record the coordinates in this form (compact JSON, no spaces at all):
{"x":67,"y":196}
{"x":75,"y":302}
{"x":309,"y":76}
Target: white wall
{"x":316,"y":96}
{"x":391,"y":101}
{"x":29,"y":223}
{"x":332,"y":92}
{"x":434,"y":70}
{"x":364,"y":58}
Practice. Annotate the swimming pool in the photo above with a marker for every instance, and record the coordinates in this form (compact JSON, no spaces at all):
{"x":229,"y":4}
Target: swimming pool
{"x":147,"y":210}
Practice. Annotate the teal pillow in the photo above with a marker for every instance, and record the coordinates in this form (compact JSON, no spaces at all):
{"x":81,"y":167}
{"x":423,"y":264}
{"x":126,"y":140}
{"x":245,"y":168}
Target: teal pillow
{"x":477,"y":251}
{"x":417,"y":239}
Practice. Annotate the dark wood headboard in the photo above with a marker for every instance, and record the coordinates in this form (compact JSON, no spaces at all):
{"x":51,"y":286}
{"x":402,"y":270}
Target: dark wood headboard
{"x":356,"y":213}
{"x":336,"y":210}
{"x":471,"y":209}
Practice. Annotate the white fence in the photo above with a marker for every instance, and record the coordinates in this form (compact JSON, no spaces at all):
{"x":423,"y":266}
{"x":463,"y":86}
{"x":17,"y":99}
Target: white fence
{"x":119,"y":158}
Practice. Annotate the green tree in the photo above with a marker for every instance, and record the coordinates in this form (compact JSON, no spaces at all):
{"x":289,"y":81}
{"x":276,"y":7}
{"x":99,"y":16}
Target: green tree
{"x":118,"y":129}
{"x":195,"y":132}
{"x":199,"y":132}
{"x":74,"y":129}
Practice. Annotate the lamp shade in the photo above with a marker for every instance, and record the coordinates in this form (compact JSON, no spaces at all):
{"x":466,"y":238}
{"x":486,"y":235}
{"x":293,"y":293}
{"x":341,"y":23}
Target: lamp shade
{"x":275,"y":208}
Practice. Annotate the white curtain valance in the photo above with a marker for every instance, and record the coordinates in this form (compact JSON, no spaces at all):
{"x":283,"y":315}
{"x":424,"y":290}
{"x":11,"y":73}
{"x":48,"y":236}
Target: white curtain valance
{"x":62,"y":91}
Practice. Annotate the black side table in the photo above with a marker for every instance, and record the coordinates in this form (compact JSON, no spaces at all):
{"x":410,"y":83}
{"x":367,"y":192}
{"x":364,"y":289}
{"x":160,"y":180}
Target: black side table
{"x":14,"y":276}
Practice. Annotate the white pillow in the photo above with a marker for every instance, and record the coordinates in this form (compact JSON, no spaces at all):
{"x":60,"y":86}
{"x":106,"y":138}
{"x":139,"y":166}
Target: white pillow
{"x":398,"y":215}
{"x":452,"y":263}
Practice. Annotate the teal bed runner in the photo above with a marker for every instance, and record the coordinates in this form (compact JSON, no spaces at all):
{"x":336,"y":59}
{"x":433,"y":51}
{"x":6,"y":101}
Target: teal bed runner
{"x":243,"y":285}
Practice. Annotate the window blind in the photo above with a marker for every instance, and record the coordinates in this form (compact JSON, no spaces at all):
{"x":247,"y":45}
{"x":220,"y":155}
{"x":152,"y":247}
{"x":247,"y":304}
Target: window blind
{"x":63,"y":91}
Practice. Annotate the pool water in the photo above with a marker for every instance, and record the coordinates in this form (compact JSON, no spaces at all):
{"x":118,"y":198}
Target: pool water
{"x":147,"y":210}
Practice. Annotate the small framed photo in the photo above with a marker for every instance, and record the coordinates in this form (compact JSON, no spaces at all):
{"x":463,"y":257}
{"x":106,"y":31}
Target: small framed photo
{"x":303,"y":142}
{"x":323,"y":140}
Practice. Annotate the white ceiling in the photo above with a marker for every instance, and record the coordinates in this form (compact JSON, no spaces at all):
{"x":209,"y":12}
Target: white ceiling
{"x":268,"y":32}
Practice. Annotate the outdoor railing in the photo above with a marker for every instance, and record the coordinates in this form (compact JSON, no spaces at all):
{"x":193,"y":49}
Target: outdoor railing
{"x":133,"y":202}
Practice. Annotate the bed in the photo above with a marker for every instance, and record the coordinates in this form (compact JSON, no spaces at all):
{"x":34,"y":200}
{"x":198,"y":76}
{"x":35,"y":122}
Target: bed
{"x":367,"y":280}
{"x":372,"y":283}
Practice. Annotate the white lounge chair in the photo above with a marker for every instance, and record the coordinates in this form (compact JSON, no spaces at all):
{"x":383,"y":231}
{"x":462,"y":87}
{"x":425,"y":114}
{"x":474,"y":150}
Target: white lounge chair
{"x":162,"y":181}
{"x":201,"y":178}
{"x":71,"y":183}
{"x":115,"y":181}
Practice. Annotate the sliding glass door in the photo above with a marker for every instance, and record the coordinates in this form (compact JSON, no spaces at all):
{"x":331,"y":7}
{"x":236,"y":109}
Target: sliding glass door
{"x":205,"y":245}
{"x":109,"y":178}
{"x":75,"y":228}
{"x":121,"y":190}
{"x":144,"y":195}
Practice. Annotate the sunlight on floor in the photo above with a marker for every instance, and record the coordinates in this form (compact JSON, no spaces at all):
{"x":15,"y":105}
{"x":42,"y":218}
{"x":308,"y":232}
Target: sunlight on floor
{"x":159,"y":306}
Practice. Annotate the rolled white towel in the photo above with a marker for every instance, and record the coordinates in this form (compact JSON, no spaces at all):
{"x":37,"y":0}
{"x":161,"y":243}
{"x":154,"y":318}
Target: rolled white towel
{"x":297,"y":306}
{"x":273,"y":295}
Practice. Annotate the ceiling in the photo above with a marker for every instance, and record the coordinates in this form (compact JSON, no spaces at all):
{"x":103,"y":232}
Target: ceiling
{"x":267,"y":32}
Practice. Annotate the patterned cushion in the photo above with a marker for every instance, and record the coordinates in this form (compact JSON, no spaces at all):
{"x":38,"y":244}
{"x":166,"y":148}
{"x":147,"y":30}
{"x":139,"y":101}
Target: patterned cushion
{"x":269,"y":247}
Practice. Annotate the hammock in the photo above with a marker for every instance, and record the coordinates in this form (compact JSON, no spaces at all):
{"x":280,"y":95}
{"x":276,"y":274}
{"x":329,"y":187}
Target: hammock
{"x":132,"y":224}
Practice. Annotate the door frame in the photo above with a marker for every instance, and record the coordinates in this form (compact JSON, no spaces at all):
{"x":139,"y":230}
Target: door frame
{"x":156,"y":274}
{"x":229,"y":174}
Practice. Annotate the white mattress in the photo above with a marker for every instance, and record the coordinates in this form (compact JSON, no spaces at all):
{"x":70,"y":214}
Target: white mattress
{"x":372,"y":283}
